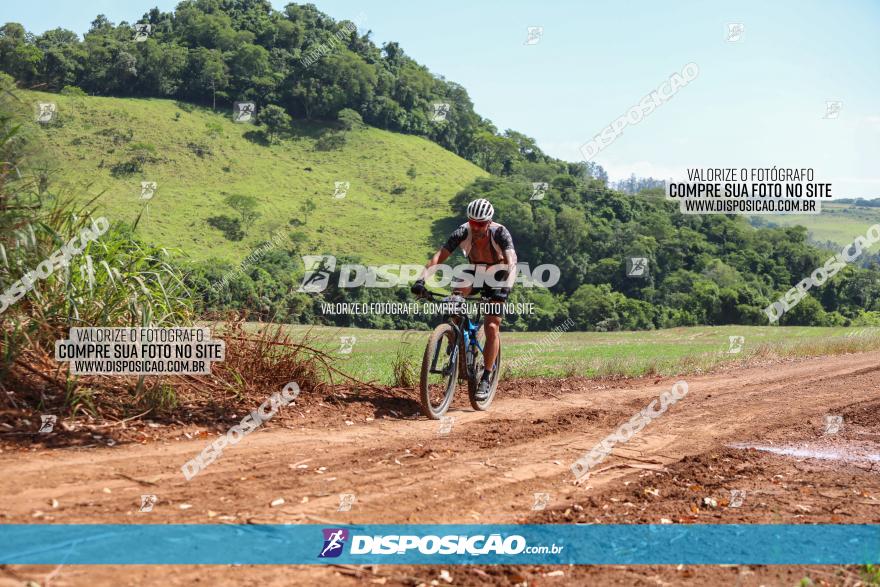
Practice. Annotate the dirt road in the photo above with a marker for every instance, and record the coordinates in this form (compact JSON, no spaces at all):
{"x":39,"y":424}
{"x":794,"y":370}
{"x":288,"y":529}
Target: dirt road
{"x":757,"y":444}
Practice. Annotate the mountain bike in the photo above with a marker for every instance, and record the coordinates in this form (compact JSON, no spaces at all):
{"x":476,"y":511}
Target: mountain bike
{"x":455,"y":352}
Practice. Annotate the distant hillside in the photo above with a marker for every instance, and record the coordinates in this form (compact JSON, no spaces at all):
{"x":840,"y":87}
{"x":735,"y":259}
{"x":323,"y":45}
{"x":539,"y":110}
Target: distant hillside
{"x":400,"y":185}
{"x":839,"y":222}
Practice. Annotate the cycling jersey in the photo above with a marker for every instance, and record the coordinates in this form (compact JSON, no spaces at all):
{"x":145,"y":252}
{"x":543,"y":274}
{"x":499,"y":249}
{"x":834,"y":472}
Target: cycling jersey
{"x":499,"y":238}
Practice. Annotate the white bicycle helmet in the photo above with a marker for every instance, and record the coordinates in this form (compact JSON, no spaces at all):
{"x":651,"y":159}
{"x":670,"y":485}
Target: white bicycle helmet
{"x":480,"y":210}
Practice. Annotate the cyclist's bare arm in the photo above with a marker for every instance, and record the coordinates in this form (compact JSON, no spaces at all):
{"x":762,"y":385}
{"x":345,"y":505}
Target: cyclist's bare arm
{"x":510,"y":260}
{"x":441,"y":255}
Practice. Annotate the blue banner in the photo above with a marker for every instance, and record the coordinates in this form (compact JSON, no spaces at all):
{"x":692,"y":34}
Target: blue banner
{"x":451,"y":544}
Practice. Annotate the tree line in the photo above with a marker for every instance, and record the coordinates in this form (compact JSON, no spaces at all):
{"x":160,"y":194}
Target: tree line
{"x":217,"y":52}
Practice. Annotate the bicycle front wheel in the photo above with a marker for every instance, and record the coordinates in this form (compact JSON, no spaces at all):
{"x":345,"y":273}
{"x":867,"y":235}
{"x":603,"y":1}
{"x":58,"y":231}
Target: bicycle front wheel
{"x":439,"y":371}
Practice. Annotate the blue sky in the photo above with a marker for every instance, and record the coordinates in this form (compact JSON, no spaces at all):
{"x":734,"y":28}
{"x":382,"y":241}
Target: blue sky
{"x":760,"y":101}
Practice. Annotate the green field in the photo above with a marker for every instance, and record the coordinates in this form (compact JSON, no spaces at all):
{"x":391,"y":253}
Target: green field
{"x":838,"y":223}
{"x":666,"y":352}
{"x":96,"y":133}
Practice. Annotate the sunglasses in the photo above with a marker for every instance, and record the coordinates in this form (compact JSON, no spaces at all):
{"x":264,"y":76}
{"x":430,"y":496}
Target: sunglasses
{"x":478,"y":224}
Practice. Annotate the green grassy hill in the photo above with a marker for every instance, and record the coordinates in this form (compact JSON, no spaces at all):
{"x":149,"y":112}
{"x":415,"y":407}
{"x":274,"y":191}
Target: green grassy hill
{"x":201,"y":157}
{"x":838,"y":223}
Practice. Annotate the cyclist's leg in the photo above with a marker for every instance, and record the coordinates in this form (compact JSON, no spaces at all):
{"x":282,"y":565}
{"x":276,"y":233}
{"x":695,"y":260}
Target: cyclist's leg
{"x":492,"y":325}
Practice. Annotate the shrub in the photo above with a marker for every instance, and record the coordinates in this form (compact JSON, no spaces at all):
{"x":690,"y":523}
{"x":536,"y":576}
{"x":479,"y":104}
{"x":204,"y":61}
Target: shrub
{"x":118,"y":136}
{"x":230,"y":227}
{"x":73,"y":91}
{"x":125,"y":168}
{"x":349,"y":119}
{"x":275,"y":119}
{"x":201,"y":150}
{"x":330,"y":142}
{"x":246,"y":206}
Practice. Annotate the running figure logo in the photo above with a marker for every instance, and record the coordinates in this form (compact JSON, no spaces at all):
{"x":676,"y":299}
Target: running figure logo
{"x":736,"y":344}
{"x":735,"y":31}
{"x":317,"y":275}
{"x":147,"y":502}
{"x":47,"y":423}
{"x":243,"y":111}
{"x":148,"y":190}
{"x":832,"y":109}
{"x":539,"y":190}
{"x":636,"y":267}
{"x":441,"y":111}
{"x":46,"y":112}
{"x":334,"y":540}
{"x":141,"y":31}
{"x":541,"y":501}
{"x":833,"y":424}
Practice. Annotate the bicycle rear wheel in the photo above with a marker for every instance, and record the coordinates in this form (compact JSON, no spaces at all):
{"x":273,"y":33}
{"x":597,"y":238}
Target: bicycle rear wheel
{"x":439,"y":372}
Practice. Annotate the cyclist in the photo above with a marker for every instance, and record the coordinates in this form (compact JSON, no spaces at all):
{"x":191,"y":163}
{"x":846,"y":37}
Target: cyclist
{"x":489,"y":246}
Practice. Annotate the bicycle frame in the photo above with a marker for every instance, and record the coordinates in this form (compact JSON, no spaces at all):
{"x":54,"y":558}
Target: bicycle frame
{"x":466,"y":329}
